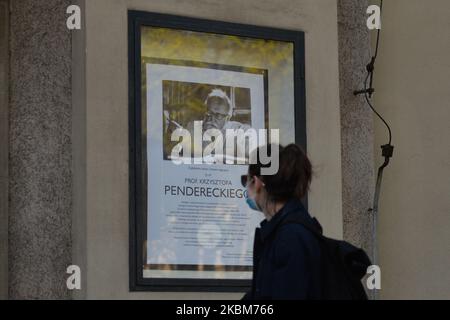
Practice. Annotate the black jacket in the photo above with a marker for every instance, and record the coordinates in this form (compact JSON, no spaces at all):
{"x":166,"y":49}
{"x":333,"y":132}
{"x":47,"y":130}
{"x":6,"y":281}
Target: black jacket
{"x":286,"y":258}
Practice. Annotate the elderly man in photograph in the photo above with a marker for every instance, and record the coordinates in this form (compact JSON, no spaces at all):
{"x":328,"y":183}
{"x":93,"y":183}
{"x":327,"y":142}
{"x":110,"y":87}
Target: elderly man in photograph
{"x":219,"y":111}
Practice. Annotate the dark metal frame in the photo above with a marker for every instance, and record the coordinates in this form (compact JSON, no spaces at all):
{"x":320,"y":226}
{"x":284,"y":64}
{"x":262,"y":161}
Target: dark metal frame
{"x":137,"y":19}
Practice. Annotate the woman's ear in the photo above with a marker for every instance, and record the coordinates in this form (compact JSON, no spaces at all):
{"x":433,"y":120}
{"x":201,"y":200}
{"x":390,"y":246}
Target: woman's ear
{"x":259,"y":184}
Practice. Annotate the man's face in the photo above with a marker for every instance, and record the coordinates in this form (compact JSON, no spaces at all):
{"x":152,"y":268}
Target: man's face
{"x":217,"y":114}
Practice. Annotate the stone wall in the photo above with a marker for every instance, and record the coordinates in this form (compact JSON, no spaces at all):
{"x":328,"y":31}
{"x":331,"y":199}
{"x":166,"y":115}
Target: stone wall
{"x":357,"y":131}
{"x":40,"y":183}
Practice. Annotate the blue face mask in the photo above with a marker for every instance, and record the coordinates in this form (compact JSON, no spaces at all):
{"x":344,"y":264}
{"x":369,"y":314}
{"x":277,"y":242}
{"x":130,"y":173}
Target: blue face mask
{"x":252,"y":203}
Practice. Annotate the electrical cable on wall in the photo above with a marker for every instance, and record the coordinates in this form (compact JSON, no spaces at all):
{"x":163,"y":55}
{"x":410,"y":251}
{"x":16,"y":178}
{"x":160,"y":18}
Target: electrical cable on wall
{"x":387,"y":149}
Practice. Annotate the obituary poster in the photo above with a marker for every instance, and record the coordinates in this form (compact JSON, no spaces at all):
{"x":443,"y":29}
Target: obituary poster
{"x":198,"y":223}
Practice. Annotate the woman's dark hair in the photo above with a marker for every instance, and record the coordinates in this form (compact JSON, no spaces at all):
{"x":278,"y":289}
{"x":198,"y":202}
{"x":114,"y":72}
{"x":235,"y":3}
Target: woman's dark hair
{"x":294,"y":173}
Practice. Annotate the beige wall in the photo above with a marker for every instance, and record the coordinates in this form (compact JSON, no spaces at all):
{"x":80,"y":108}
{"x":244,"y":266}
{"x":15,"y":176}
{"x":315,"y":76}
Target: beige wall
{"x":412,"y":83}
{"x":101,"y":125}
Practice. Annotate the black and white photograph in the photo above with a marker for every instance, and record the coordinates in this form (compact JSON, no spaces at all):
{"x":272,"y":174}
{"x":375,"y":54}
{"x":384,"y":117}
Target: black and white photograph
{"x":211,"y":106}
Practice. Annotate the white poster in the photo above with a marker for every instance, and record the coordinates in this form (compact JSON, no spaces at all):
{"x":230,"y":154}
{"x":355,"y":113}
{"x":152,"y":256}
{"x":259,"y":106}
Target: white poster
{"x":197,"y":217}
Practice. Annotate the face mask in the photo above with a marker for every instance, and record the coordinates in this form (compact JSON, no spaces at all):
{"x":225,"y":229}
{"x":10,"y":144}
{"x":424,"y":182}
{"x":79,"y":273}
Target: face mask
{"x":252,"y":203}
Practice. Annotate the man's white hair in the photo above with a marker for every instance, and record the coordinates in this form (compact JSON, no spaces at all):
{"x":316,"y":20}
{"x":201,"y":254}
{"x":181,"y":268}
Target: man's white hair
{"x":219,"y":93}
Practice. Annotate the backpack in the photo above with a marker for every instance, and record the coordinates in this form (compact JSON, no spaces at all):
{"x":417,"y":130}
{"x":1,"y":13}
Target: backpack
{"x":342,"y":264}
